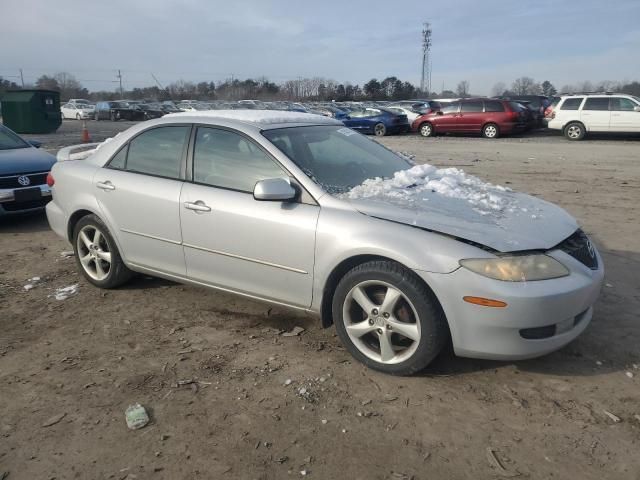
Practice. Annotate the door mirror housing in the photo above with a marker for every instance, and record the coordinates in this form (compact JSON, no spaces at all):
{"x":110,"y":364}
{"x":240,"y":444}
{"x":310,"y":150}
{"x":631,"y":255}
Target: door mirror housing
{"x":274,"y":190}
{"x":636,"y":108}
{"x":439,"y":112}
{"x":34,"y":143}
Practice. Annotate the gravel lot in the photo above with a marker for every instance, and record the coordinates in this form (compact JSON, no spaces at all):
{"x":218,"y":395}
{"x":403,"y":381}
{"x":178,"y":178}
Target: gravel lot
{"x":231,"y":397}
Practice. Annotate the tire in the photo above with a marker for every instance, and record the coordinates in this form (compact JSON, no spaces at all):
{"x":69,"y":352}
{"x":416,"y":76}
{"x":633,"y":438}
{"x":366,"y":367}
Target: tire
{"x":379,"y":130}
{"x":490,"y":130}
{"x":97,"y":256}
{"x":114,"y":117}
{"x":96,"y":117}
{"x":416,"y":312}
{"x":77,"y":116}
{"x":426,"y":130}
{"x":62,"y":115}
{"x":574,"y":131}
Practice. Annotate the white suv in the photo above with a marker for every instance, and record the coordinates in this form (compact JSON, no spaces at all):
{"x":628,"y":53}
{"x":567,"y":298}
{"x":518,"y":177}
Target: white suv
{"x":576,"y":115}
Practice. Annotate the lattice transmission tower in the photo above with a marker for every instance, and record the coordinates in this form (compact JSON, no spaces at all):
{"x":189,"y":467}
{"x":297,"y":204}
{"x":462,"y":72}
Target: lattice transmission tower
{"x":425,"y":80}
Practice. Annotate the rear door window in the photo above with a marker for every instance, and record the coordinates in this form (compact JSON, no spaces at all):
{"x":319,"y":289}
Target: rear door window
{"x":596,"y":103}
{"x":471,"y":107}
{"x":158,"y":151}
{"x":571,"y":103}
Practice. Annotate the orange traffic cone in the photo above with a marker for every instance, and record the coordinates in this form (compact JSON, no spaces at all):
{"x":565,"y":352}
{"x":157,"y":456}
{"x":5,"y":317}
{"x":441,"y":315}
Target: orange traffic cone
{"x":85,"y":133}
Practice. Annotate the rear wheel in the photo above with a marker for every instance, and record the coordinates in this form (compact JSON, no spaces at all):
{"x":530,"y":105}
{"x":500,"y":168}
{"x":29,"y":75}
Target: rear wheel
{"x":490,"y":130}
{"x":388,"y":319}
{"x":379,"y":130}
{"x":574,"y":131}
{"x":97,"y":255}
{"x":77,"y":116}
{"x":114,"y":117}
{"x":426,"y":130}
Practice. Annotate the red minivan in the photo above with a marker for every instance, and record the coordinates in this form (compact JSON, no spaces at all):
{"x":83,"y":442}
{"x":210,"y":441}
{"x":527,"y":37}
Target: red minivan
{"x":486,"y":116}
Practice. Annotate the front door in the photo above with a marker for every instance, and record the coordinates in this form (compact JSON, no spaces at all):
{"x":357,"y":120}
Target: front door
{"x":232,"y":241}
{"x":624,"y":118}
{"x":139,"y":195}
{"x":446,"y":120}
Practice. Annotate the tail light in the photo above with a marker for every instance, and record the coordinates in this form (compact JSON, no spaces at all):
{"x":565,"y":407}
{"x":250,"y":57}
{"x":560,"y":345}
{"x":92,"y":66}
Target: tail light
{"x":50,"y":180}
{"x":548,"y":112}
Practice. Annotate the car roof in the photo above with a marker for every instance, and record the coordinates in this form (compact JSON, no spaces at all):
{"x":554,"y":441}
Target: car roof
{"x":264,"y":119}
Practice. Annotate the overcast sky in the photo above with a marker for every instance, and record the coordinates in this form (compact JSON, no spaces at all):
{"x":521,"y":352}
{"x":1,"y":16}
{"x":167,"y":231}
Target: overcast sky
{"x":480,"y":41}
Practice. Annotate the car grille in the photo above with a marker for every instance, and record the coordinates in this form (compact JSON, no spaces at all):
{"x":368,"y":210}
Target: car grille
{"x":12,"y":181}
{"x":579,"y":247}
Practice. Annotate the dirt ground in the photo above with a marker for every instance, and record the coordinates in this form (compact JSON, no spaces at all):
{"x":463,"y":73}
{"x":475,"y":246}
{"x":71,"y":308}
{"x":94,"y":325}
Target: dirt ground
{"x":231,"y":397}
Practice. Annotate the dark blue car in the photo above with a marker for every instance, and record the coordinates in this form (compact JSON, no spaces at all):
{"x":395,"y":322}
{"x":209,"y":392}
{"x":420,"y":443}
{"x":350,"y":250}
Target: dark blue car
{"x":378,"y":121}
{"x":23,"y":174}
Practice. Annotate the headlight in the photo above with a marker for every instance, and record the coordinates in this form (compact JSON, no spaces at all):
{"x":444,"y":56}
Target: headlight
{"x":523,"y":268}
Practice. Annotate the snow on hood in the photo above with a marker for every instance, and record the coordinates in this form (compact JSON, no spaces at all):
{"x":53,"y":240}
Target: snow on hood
{"x":449,"y":201}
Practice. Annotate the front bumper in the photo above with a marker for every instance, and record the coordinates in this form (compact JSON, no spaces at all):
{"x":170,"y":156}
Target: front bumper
{"x":9,"y":206}
{"x":497,"y":333}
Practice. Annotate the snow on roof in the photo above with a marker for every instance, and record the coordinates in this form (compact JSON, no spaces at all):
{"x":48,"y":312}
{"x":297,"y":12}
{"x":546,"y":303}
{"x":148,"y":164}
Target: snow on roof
{"x":260,"y":117}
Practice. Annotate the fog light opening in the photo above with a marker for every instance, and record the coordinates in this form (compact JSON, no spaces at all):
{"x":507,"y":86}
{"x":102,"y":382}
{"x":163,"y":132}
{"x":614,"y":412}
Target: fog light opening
{"x":485,"y":302}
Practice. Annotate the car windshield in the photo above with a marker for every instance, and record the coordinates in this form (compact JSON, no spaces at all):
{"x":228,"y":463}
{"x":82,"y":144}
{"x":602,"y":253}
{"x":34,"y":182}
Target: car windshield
{"x":336,"y":158}
{"x":10,"y":141}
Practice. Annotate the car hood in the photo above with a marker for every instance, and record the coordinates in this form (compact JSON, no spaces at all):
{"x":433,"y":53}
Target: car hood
{"x":25,"y":160}
{"x":451,"y":202}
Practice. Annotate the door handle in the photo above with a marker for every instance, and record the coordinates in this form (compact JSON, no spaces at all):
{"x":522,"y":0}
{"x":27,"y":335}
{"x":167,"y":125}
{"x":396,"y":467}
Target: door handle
{"x":106,"y":185}
{"x":197,"y":206}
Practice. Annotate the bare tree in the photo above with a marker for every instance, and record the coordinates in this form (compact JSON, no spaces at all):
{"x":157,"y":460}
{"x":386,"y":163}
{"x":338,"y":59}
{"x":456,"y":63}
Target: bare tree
{"x":463,"y":89}
{"x":498,"y":89}
{"x":526,"y":86}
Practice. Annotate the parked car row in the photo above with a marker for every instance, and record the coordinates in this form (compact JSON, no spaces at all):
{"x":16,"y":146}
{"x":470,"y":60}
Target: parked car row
{"x":575,"y":115}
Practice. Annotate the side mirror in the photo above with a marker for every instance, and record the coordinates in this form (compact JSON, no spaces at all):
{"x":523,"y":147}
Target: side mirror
{"x":636,"y":109}
{"x":439,"y":112}
{"x":347,"y":117}
{"x":274,"y":189}
{"x":34,"y":143}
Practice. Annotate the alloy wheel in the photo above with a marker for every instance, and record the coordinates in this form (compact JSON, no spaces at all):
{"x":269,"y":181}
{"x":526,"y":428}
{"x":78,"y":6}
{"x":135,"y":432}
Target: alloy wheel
{"x":381,"y":322}
{"x":380,"y":130}
{"x":574,"y":131}
{"x":93,"y":251}
{"x":425,"y":130}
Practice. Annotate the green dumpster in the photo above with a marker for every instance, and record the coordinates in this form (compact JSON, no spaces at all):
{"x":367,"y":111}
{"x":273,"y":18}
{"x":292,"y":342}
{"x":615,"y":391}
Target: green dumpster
{"x":31,"y":111}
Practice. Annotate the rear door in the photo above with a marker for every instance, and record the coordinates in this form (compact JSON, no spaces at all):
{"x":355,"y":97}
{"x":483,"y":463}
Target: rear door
{"x":624,"y":118}
{"x":471,"y":116}
{"x":259,"y":248}
{"x":139,"y":194}
{"x":595,"y":114}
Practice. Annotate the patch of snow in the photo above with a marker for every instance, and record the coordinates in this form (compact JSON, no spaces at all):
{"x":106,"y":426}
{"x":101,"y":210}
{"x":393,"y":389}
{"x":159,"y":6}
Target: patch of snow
{"x":32,"y":283}
{"x":409,"y":186}
{"x":262,"y":117}
{"x":65,"y":292}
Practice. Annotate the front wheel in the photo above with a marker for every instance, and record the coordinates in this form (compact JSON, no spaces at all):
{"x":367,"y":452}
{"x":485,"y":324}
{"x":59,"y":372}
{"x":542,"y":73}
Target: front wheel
{"x":426,"y":129}
{"x":574,"y":131}
{"x":490,"y":130}
{"x":388,"y":318}
{"x":114,"y":117}
{"x":97,"y":255}
{"x":379,"y":130}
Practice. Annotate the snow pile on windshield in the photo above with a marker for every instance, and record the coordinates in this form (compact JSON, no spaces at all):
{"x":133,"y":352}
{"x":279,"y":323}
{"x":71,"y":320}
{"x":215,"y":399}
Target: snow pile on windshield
{"x":263,"y":117}
{"x":408,"y":187}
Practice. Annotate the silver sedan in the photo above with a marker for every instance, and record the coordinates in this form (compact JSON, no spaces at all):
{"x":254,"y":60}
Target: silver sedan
{"x":298,"y":210}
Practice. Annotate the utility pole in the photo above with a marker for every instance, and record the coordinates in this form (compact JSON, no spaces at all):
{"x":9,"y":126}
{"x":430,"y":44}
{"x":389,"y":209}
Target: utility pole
{"x":119,"y":76}
{"x":22,"y":78}
{"x":425,"y":79}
